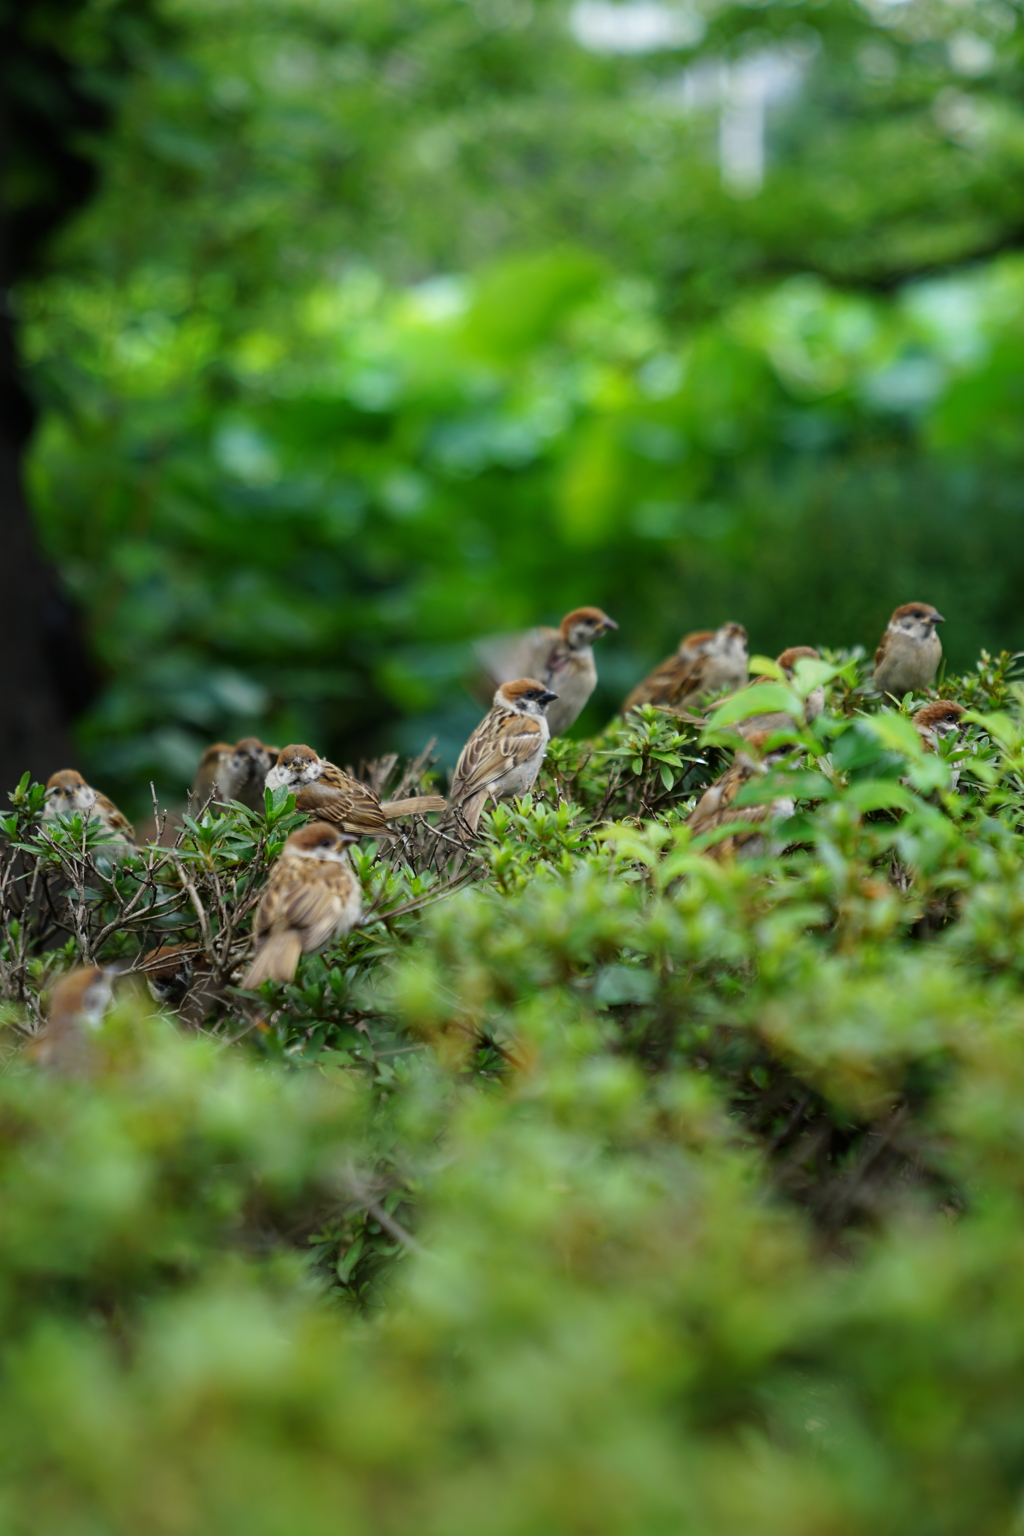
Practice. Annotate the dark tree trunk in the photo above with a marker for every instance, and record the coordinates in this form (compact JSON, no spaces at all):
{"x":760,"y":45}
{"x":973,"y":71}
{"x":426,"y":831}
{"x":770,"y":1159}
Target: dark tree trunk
{"x":49,"y":103}
{"x":33,"y":718}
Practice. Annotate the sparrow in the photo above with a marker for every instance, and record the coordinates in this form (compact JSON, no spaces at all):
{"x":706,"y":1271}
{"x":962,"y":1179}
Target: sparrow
{"x":179,"y":978}
{"x":236,"y":772}
{"x":700,"y":665}
{"x":78,"y":1003}
{"x":716,"y":807}
{"x":562,"y":659}
{"x":330,"y":794}
{"x":206,"y":786}
{"x":780,"y":720}
{"x":504,"y":753}
{"x":312,"y":896}
{"x":941,"y":719}
{"x":68,"y":793}
{"x":169,"y":971}
{"x":909,"y":652}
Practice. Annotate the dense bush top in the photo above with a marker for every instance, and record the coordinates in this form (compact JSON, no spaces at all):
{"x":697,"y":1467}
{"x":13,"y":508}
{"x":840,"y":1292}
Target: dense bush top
{"x":618,"y":1190}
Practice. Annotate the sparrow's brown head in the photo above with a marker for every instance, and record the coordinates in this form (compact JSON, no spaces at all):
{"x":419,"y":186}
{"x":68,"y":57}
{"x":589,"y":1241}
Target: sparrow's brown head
{"x":296,"y":766}
{"x":583,"y":626}
{"x":526,"y":696}
{"x":789,"y":658}
{"x":944,"y":717}
{"x":169,"y":970}
{"x":916,"y":614}
{"x":68,"y":794}
{"x":757,"y":750}
{"x":253,"y":747}
{"x":696,"y":642}
{"x":297,"y":756}
{"x":214,"y":753}
{"x":81,"y":997}
{"x":319,"y":840}
{"x":68,"y":780}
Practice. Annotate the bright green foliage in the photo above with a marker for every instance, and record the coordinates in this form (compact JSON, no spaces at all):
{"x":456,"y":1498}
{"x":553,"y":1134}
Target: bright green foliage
{"x":621,"y":1191}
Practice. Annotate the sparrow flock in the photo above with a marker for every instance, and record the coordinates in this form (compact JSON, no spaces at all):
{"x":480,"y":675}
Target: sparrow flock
{"x":542,"y":680}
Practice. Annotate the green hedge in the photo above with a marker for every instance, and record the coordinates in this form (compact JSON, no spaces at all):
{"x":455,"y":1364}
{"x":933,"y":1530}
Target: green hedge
{"x":618,"y":1191}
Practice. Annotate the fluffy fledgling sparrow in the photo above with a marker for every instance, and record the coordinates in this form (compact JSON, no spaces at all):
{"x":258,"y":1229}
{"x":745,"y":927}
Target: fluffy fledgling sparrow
{"x":503,"y":756}
{"x":700,"y":666}
{"x":779,"y":720}
{"x":67,"y":793}
{"x":236,"y":772}
{"x":311,"y":897}
{"x":330,"y":794}
{"x":716,"y":807}
{"x":562,"y":659}
{"x":78,"y":1003}
{"x":909,"y":652}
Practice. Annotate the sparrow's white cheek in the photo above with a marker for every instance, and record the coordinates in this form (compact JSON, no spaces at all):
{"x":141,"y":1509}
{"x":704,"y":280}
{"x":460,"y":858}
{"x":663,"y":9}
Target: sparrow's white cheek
{"x":276,"y":778}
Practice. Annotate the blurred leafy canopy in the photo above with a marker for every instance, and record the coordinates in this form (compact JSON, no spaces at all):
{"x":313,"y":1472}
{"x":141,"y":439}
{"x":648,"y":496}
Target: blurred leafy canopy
{"x":398,"y":324}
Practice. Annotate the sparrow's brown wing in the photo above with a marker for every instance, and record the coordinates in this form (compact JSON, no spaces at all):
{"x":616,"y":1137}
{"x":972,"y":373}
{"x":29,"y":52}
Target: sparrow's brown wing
{"x":356,"y":808}
{"x":506,"y":657}
{"x":207,"y":779}
{"x":315,"y":907}
{"x":113,"y":818}
{"x":883,"y":646}
{"x":499,"y":745}
{"x":715,"y":806}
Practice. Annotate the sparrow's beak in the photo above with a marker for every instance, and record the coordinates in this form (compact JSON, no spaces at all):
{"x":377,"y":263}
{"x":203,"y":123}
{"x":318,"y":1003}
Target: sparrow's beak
{"x":348,"y":838}
{"x":609,"y":623}
{"x":937,"y":618}
{"x":547,"y":697}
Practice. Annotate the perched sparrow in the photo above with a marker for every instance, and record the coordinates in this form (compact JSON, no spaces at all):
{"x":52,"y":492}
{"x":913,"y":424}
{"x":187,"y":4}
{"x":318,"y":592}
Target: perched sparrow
{"x":562,"y":659}
{"x":68,"y":793}
{"x":780,"y":720}
{"x":699,"y":666}
{"x":247,"y":768}
{"x":716,"y":807}
{"x":77,"y":1005}
{"x":504,"y":753}
{"x":330,"y":794}
{"x":206,"y":785}
{"x":941,"y":719}
{"x":909,"y":652}
{"x":312,"y":896}
{"x":179,"y":978}
{"x":169,"y":971}
{"x":234,"y":773}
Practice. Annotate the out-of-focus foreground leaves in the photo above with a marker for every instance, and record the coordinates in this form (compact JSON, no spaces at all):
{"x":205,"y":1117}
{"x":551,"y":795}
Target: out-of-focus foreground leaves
{"x":621,"y":1191}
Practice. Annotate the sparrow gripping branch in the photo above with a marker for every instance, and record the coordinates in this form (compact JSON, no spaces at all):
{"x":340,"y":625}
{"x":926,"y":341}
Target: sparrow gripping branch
{"x":326,"y":792}
{"x":312,"y":896}
{"x":503,"y":756}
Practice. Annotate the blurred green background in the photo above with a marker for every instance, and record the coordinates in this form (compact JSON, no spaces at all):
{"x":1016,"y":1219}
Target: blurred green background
{"x":395,"y":324}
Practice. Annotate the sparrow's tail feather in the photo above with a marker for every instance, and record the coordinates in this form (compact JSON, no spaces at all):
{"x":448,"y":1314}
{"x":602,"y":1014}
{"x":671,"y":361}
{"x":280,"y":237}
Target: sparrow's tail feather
{"x":276,"y":959}
{"x":417,"y":805}
{"x":472,"y":809}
